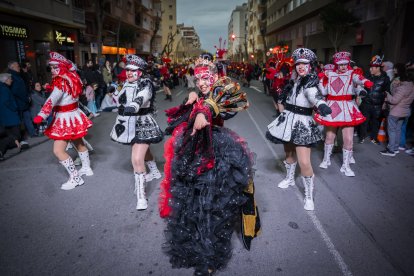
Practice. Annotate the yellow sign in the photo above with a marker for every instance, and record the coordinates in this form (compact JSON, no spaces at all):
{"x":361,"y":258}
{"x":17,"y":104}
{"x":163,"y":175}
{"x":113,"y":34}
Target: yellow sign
{"x":60,"y":38}
{"x":13,"y":31}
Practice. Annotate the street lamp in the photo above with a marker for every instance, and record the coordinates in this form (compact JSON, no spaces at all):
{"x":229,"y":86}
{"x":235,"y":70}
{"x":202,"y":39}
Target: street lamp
{"x":233,"y":37}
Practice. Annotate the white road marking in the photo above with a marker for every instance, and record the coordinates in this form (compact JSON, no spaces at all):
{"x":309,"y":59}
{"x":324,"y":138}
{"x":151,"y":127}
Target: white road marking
{"x":257,"y":89}
{"x":180,"y":92}
{"x":316,"y":222}
{"x":159,"y":91}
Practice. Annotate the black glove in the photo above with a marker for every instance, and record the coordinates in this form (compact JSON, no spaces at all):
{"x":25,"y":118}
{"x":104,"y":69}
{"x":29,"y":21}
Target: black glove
{"x":363,"y":93}
{"x":324,"y":109}
{"x":129,"y":110}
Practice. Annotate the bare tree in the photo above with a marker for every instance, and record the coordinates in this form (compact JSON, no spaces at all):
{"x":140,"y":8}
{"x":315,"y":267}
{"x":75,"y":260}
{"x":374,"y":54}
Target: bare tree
{"x":99,"y":17}
{"x":168,"y":47}
{"x":336,"y":21}
{"x":157,"y":24}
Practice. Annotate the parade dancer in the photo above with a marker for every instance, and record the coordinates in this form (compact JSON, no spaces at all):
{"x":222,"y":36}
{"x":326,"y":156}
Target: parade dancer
{"x":295,"y":127}
{"x":69,"y":122}
{"x":345,"y":114}
{"x":208,"y":176}
{"x":135,"y":124}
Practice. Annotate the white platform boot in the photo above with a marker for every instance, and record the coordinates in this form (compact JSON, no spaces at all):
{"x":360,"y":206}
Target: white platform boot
{"x":308,"y":201}
{"x":346,"y":169}
{"x":326,"y":162}
{"x":86,"y":164}
{"x":142,"y":203}
{"x":74,"y":178}
{"x":153,"y":173}
{"x":290,"y":175}
{"x":351,"y":158}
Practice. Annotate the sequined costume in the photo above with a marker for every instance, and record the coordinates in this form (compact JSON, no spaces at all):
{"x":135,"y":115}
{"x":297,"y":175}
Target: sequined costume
{"x":139,"y":126}
{"x":295,"y":124}
{"x":69,"y":122}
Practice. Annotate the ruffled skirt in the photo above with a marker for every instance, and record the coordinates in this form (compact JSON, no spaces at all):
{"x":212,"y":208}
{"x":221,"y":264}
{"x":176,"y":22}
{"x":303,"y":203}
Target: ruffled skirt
{"x":205,"y":207}
{"x":70,"y":125}
{"x":344,"y":114}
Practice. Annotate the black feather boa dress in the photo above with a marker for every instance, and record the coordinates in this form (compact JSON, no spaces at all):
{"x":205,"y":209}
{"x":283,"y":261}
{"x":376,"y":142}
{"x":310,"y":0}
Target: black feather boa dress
{"x":202,"y":192}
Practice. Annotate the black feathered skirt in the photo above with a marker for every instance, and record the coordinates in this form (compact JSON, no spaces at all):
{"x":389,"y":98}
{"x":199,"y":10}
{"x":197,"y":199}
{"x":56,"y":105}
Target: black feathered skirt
{"x":205,"y":206}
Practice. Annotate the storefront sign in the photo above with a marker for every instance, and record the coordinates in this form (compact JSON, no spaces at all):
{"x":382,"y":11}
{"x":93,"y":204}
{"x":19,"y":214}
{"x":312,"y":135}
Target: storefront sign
{"x":62,"y":38}
{"x":108,"y":50}
{"x":94,"y":48}
{"x":13,"y":31}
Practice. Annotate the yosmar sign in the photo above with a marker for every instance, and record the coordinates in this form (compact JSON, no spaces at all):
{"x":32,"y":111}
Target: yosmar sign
{"x":13,"y":31}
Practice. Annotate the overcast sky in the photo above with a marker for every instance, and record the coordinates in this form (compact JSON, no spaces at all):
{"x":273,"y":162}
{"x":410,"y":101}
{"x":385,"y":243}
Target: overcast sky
{"x":210,"y":19}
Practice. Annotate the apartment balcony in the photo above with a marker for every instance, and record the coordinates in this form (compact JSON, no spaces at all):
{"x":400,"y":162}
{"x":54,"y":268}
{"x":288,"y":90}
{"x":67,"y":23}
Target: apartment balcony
{"x":145,"y":4}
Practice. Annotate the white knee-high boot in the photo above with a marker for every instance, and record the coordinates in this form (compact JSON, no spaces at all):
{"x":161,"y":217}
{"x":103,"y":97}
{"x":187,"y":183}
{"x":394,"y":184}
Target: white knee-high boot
{"x":309,"y":186}
{"x":346,"y":169}
{"x":142,"y":203}
{"x":326,"y":162}
{"x":86,"y":164}
{"x":74,"y":178}
{"x":351,"y":158}
{"x":153,"y":173}
{"x":290,"y":175}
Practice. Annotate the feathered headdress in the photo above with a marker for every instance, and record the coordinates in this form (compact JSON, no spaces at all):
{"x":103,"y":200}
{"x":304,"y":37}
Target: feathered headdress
{"x":226,"y":96}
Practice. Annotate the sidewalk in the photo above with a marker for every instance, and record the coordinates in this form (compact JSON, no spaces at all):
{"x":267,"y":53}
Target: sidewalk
{"x":34,"y":141}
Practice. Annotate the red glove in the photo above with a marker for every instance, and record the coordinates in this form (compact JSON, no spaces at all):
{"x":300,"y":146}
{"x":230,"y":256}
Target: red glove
{"x":368,"y":84}
{"x":48,"y":88}
{"x":38,"y":119}
{"x":321,"y":75}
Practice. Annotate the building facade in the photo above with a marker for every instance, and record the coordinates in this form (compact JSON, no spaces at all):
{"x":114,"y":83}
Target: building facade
{"x":169,"y":28}
{"x":31,"y":29}
{"x":256,"y":31}
{"x":384,"y":28}
{"x":188,"y":43}
{"x":237,"y":33}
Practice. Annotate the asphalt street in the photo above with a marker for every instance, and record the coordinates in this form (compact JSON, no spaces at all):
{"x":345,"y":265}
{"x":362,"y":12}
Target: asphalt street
{"x":362,"y":225}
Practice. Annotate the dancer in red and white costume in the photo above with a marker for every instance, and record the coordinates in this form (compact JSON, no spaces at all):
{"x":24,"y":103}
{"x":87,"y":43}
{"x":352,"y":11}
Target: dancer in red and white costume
{"x":69,"y":123}
{"x":345,"y":113}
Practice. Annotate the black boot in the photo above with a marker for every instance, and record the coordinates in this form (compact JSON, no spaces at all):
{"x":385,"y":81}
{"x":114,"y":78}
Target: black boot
{"x":170,"y":97}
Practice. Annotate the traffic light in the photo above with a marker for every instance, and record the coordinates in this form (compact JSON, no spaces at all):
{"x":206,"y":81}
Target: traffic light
{"x":233,"y":37}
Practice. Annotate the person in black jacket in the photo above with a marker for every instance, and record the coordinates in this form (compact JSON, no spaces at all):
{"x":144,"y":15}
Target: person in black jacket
{"x":9,"y":117}
{"x":372,"y":104}
{"x":21,"y":94}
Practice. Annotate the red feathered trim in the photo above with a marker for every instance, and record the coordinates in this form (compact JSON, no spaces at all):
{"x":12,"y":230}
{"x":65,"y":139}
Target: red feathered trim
{"x":165,"y":186}
{"x":318,"y":119}
{"x":68,"y":82}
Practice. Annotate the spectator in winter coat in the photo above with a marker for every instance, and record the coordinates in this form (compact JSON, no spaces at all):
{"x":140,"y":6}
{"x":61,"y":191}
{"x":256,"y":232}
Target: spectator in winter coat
{"x":372,"y":104}
{"x":107,"y":72}
{"x":9,"y":116}
{"x":400,"y":100}
{"x":38,"y":99}
{"x":21,"y":96}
